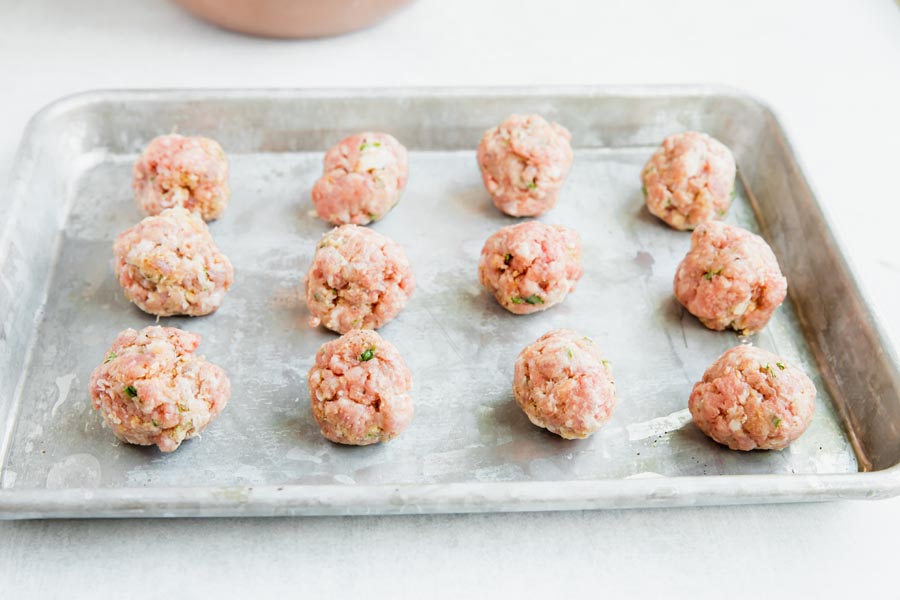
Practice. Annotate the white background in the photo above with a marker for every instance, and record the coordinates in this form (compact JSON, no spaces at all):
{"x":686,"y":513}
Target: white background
{"x":829,"y":68}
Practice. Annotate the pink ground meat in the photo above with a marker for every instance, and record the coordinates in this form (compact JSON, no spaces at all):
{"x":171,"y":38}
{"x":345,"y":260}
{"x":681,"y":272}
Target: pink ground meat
{"x":359,"y":279}
{"x":524,"y":162}
{"x":752,"y":399}
{"x":175,"y":170}
{"x":169,"y":265}
{"x":730,"y":278}
{"x":152,"y":389}
{"x":689,"y":180}
{"x":530,"y":266}
{"x":359,"y":389}
{"x":564,"y":385}
{"x":363,"y":179}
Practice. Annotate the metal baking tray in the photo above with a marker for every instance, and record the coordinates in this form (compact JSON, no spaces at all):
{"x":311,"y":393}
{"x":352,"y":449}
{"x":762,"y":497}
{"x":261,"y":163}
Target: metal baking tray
{"x":469,"y":447}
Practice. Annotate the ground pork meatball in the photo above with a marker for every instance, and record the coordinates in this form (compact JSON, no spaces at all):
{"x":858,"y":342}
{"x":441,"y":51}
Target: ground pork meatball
{"x":175,"y":170}
{"x":359,"y":389}
{"x":170,"y":265}
{"x":564,"y":385}
{"x":689,"y":180}
{"x":524,"y":162}
{"x":359,"y":279}
{"x":530,"y":266}
{"x":750,"y":398}
{"x":152,"y":389}
{"x":730,"y":278}
{"x":364,"y":177}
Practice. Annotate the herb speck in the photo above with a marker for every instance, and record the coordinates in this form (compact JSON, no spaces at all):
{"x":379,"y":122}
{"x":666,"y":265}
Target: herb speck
{"x":109,"y":357}
{"x":130,"y":391}
{"x":368,"y":354}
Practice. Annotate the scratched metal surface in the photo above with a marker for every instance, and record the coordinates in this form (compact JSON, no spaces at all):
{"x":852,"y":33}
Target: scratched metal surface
{"x":460,"y":345}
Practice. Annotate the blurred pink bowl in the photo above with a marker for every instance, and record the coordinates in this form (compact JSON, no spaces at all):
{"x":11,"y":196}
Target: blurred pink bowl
{"x":293,"y":18}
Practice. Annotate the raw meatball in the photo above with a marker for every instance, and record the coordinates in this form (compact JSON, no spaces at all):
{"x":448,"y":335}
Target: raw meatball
{"x":175,"y":170}
{"x":359,"y":279}
{"x":730,"y":278}
{"x":524,"y":162}
{"x":689,"y":180}
{"x":750,"y":398}
{"x":170,"y":265}
{"x":530,"y":266}
{"x":359,"y":388}
{"x":152,"y":389}
{"x":563,"y":384}
{"x":364,"y":177}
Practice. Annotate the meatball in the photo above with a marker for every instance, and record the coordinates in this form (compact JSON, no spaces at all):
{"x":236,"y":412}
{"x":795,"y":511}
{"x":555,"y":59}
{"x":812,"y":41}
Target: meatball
{"x":530,"y":266}
{"x":689,"y":180}
{"x":524,"y":162}
{"x":152,"y":389}
{"x":363,"y":179}
{"x":564,"y":385}
{"x":170,"y":265}
{"x":730,"y":278}
{"x":750,"y":398}
{"x":359,"y":279}
{"x":359,"y":389}
{"x":175,"y":170}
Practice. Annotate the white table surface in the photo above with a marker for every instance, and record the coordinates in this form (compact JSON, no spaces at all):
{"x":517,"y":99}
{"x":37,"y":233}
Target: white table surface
{"x":830,"y":69}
